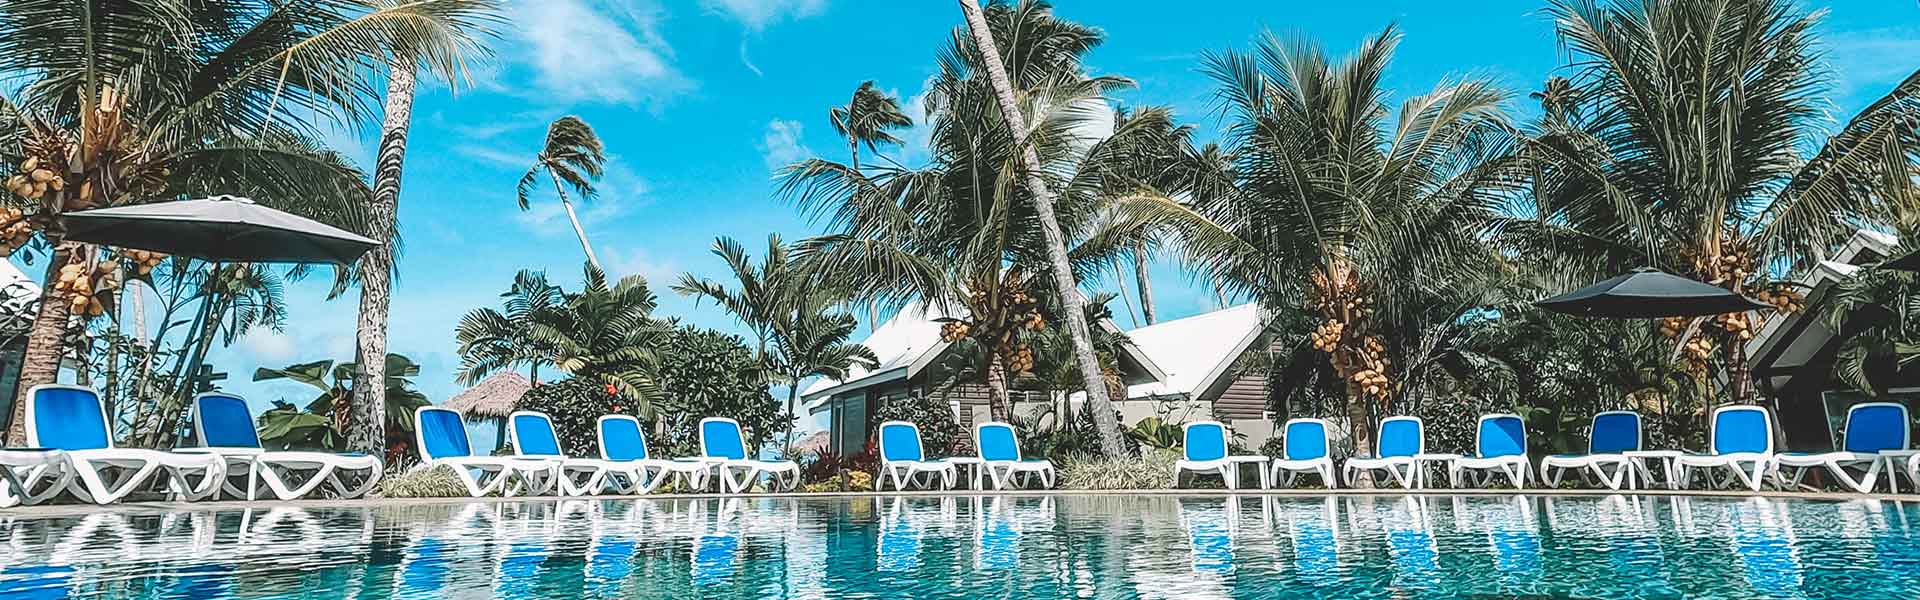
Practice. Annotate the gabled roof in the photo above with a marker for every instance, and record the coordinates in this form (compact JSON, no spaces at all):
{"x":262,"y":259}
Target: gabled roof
{"x":910,"y":341}
{"x":1197,"y":351}
{"x":1790,"y":341}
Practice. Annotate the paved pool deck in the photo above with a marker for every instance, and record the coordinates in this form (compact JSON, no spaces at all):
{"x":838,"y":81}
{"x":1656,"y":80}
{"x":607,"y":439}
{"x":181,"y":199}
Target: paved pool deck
{"x":73,"y":510}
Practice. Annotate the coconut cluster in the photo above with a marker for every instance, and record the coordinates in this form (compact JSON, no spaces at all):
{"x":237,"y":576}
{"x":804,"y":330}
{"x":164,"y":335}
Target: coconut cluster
{"x":15,"y":230}
{"x":143,"y":261}
{"x":35,"y":181}
{"x":85,"y":285}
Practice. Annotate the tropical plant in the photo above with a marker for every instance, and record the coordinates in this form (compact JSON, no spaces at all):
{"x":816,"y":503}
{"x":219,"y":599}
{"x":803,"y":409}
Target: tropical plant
{"x":572,"y":157}
{"x":440,"y":36}
{"x":706,"y":373}
{"x":494,"y":340}
{"x":1371,"y":226}
{"x":959,"y":233}
{"x":814,"y":344}
{"x":322,"y":424}
{"x":1150,"y":470}
{"x":1692,"y":137}
{"x":607,"y":333}
{"x":1877,"y":315}
{"x":765,"y":296}
{"x":940,"y":433}
{"x":107,"y":107}
{"x":869,"y":118}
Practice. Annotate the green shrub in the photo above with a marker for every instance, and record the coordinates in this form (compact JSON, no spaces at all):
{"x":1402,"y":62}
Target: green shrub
{"x":940,"y":434}
{"x":438,"y":482}
{"x":706,"y":373}
{"x":574,"y":406}
{"x":1152,"y":470}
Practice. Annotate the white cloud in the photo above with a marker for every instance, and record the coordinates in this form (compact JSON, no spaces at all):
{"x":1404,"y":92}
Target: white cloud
{"x":599,"y":52}
{"x":756,"y":15}
{"x":269,"y":346}
{"x":781,"y":145}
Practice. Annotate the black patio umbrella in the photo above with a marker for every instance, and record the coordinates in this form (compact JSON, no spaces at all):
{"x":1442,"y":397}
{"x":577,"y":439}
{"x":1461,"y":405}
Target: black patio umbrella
{"x":219,"y":229}
{"x":1648,"y":293}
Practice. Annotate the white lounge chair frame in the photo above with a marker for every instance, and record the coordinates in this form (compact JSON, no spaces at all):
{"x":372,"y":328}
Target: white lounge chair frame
{"x":650,"y":473}
{"x":1227,"y":466}
{"x":578,"y":476}
{"x":1323,"y":465}
{"x":93,"y":479}
{"x":281,"y":470}
{"x":482,"y":475}
{"x":1400,"y":468}
{"x":1790,"y":468}
{"x":32,"y":476}
{"x":785,"y":474}
{"x":1553,"y":468}
{"x":1750,"y":468}
{"x":1515,"y":466}
{"x":1003,"y":472}
{"x":903,"y":472}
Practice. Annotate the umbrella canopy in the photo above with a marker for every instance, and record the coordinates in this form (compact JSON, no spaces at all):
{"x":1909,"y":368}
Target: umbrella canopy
{"x":1648,"y":293}
{"x":492,"y":398}
{"x":221,"y":228}
{"x":1910,"y":262}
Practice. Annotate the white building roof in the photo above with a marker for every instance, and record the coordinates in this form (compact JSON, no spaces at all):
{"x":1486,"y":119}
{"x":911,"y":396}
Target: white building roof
{"x":903,"y":344}
{"x":1195,"y":351}
{"x":1804,"y":345}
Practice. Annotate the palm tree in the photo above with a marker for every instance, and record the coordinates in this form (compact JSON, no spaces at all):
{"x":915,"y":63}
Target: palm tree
{"x":1674,"y":151}
{"x":951,"y":234}
{"x":604,"y":333}
{"x":1056,"y":244}
{"x":767,"y":293}
{"x":573,"y":157}
{"x":454,"y":32}
{"x":869,"y":118}
{"x":814,"y":344}
{"x":111,"y":108}
{"x":1372,"y":226}
{"x":493,"y":340}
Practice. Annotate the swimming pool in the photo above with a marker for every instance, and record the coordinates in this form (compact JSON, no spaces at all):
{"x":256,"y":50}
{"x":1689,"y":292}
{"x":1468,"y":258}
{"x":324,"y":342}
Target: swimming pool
{"x":984,"y":547}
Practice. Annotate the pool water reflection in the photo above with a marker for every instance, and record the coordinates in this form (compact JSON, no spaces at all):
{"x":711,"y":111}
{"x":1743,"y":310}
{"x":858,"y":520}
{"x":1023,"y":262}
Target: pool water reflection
{"x":984,"y":547}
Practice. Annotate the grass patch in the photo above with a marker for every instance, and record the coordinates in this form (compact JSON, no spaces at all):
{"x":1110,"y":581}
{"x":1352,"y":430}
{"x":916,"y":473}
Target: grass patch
{"x":1152,"y":470}
{"x":438,"y":482}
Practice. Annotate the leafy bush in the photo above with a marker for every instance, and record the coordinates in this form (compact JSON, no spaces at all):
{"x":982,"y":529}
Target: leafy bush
{"x":1152,"y":470}
{"x":1155,"y":432}
{"x":1039,"y":438}
{"x":830,"y":465}
{"x":706,"y":373}
{"x":940,"y":434}
{"x":438,"y":482}
{"x":575,"y":406}
{"x":851,"y":481}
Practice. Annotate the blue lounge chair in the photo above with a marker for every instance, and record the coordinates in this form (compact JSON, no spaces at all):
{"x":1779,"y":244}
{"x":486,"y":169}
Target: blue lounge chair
{"x":1613,"y":434}
{"x":224,"y":426}
{"x":622,"y":440}
{"x":1741,"y":442}
{"x":1306,"y":451}
{"x":1000,"y":456}
{"x":722,"y":441}
{"x":72,"y":420}
{"x":1205,"y":451}
{"x":32,"y":475}
{"x":902,"y":458}
{"x":531,"y":433}
{"x":1872,"y":428}
{"x":1500,"y":446}
{"x":1400,"y":439}
{"x":441,"y":439}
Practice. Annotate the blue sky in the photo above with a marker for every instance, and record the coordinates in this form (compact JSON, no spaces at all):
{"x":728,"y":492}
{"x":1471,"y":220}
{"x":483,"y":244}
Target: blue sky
{"x":699,"y":100}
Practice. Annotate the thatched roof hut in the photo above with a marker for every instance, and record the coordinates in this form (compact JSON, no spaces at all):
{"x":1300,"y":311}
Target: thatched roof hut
{"x":493,"y":399}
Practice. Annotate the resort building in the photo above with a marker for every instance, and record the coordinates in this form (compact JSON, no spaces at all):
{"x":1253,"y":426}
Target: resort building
{"x":1178,"y":370}
{"x":1793,"y":355}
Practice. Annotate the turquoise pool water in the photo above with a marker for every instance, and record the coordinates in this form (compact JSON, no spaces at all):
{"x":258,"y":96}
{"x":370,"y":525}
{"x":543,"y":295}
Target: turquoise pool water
{"x":984,"y":547}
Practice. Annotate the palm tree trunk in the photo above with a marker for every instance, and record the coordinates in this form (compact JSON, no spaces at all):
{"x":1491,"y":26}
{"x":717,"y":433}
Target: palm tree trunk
{"x":1103,"y":417}
{"x":997,"y":400}
{"x":1141,"y":281}
{"x":376,"y":268}
{"x":45,"y":340}
{"x":575,"y":219}
{"x":793,"y":399}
